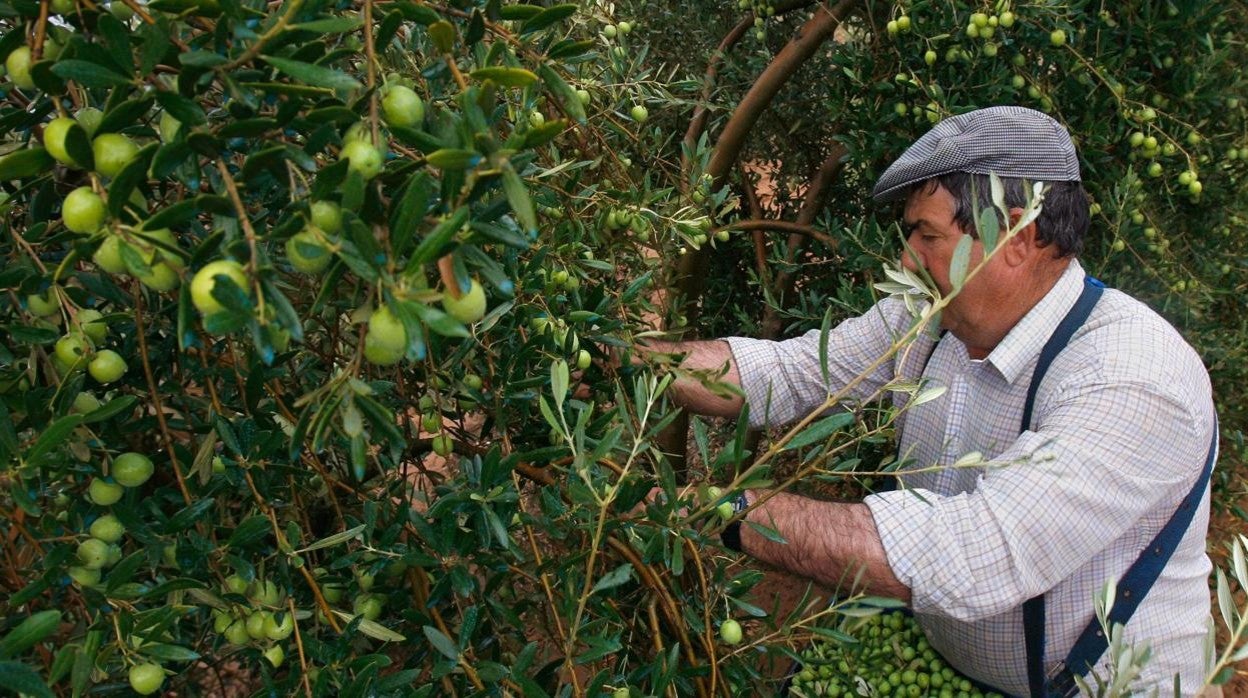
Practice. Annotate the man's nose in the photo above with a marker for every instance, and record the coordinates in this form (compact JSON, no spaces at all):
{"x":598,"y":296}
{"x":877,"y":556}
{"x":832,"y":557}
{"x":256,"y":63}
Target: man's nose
{"x":908,"y":260}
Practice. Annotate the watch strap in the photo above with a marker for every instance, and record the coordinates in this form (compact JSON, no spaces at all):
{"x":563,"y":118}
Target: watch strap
{"x":731,"y":535}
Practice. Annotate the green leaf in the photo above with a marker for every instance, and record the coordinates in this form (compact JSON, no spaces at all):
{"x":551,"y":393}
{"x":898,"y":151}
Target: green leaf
{"x":89,"y":74}
{"x":330,"y":25}
{"x":55,"y":435}
{"x":78,"y":145}
{"x":748,"y":608}
{"x":388,"y":27}
{"x":442,"y":33}
{"x":124,"y":115}
{"x":453,"y":159}
{"x":184,"y":110}
{"x":821,"y":430}
{"x":373,"y":629}
{"x":250,"y":531}
{"x":614,"y":578}
{"x":187,"y":516}
{"x":330,"y":541}
{"x":441,"y":643}
{"x":25,"y":163}
{"x":29,"y":632}
{"x":989,"y":227}
{"x":123,"y":572}
{"x":269,"y":159}
{"x":998,"y":194}
{"x":439,"y":321}
{"x":84,"y":663}
{"x":569,"y":48}
{"x":202,"y":59}
{"x":961,"y":262}
{"x":315,"y":75}
{"x":62,"y":663}
{"x":332,"y":115}
{"x":431,"y":247}
{"x":541,"y":135}
{"x":549,"y":415}
{"x":767,"y":532}
{"x":169,"y":653}
{"x":833,"y":634}
{"x":174,"y":585}
{"x":24,"y":334}
{"x":130,"y":176}
{"x":519,"y":12}
{"x":111,"y":409}
{"x":20,"y":678}
{"x":518,"y":197}
{"x":248,"y":128}
{"x":567,"y":96}
{"x":559,"y":381}
{"x":408,"y":212}
{"x":173,"y":215}
{"x":155,"y":44}
{"x":507,"y":77}
{"x":383,"y":419}
{"x":417,"y":13}
{"x":547,"y":17}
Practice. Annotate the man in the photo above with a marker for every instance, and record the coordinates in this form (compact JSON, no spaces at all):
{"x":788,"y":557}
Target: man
{"x":1119,"y":431}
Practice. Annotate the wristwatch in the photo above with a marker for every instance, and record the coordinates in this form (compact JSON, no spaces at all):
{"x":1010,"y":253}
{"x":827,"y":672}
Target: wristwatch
{"x":731,"y":535}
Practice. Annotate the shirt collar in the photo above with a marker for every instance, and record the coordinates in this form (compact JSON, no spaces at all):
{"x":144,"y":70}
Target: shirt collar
{"x":1022,"y":345}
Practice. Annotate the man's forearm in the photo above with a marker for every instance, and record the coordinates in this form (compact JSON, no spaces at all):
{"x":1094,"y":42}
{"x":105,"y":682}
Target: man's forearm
{"x":712,"y":357}
{"x":835,"y":544}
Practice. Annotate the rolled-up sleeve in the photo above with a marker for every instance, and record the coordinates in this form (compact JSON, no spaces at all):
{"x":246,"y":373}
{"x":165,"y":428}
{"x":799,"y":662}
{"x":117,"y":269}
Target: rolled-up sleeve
{"x":782,"y":381}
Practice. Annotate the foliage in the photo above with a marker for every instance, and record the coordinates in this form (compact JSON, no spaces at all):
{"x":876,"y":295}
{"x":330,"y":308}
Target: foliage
{"x":292,"y":398}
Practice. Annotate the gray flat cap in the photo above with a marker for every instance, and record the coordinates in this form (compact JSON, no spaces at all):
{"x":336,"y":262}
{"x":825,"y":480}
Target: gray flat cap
{"x":1008,"y":141}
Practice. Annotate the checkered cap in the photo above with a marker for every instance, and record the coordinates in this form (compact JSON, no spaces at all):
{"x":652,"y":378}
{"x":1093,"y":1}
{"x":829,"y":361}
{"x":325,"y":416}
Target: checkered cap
{"x":1007,"y":141}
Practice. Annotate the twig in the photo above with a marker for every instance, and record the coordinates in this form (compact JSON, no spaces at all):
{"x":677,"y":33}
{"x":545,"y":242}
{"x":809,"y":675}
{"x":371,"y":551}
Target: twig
{"x":303,"y":662}
{"x":248,"y":231}
{"x":41,"y":28}
{"x":278,"y":27}
{"x":154,"y":389}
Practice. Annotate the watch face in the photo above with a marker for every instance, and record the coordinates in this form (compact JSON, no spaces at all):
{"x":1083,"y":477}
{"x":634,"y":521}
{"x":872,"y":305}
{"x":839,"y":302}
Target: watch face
{"x":741,"y":503}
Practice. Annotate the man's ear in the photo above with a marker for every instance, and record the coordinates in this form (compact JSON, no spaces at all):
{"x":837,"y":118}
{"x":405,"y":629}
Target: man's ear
{"x":1023,"y":245}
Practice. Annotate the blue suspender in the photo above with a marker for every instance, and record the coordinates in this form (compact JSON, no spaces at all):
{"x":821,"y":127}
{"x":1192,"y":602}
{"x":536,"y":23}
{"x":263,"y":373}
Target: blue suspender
{"x":1139,"y":578}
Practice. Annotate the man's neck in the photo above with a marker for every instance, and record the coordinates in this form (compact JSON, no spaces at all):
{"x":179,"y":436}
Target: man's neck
{"x":1013,"y":309}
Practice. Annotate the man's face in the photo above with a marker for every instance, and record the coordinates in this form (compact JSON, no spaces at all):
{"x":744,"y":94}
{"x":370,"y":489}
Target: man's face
{"x":933,"y":235}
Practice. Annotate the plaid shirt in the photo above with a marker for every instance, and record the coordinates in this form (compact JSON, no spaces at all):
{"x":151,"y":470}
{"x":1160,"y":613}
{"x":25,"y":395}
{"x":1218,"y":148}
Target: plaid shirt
{"x":1121,"y":428}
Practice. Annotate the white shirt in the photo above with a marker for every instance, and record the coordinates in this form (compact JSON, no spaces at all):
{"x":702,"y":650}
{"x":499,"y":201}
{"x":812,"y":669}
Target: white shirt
{"x":1122,"y":425}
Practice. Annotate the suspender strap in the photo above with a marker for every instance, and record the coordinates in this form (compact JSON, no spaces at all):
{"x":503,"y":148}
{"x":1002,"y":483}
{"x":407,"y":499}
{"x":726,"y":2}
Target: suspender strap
{"x":1143,"y":573}
{"x":1137,"y":580}
{"x":1033,"y":609}
{"x":1075,"y":317}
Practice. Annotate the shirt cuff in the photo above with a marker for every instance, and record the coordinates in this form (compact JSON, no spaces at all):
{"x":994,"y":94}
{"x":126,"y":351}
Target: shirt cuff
{"x":751,"y":359}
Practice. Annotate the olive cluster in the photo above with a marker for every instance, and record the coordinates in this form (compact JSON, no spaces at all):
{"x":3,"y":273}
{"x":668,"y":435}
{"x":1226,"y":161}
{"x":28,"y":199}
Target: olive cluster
{"x":891,"y":658}
{"x":762,"y":9}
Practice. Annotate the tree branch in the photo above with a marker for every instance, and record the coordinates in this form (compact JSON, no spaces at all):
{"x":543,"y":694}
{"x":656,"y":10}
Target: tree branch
{"x":702,"y":113}
{"x":690,"y":272}
{"x":811,"y":205}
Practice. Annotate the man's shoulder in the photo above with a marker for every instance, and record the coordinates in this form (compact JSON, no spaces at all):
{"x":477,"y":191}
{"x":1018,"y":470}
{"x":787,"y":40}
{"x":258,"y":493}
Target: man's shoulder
{"x":1125,"y":339}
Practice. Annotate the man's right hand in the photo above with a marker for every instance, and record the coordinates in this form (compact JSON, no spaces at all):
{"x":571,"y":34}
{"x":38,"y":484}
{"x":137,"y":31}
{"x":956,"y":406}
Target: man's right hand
{"x":709,"y":383}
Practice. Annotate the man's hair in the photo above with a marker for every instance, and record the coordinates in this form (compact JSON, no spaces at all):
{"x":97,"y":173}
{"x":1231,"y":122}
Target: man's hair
{"x":1064,"y":217}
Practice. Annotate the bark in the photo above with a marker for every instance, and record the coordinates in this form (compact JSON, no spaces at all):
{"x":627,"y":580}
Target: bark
{"x":702,"y":113}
